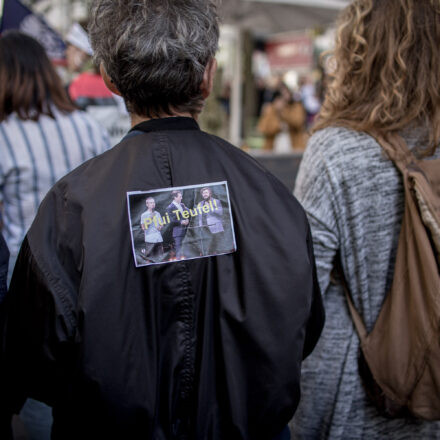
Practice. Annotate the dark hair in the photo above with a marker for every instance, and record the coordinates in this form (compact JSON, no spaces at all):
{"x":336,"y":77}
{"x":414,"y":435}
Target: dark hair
{"x":155,"y":51}
{"x":206,"y":189}
{"x":176,"y":193}
{"x":29,"y":85}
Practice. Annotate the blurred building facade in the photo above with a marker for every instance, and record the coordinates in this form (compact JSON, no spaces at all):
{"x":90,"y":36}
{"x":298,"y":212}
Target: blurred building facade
{"x":60,"y":14}
{"x":262,"y":44}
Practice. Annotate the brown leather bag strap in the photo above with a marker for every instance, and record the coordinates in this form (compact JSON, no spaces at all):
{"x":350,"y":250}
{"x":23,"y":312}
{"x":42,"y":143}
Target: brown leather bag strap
{"x":396,"y":149}
{"x":357,"y":319}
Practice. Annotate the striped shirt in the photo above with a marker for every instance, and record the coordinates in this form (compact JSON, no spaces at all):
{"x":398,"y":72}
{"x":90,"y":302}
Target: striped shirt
{"x":33,"y":156}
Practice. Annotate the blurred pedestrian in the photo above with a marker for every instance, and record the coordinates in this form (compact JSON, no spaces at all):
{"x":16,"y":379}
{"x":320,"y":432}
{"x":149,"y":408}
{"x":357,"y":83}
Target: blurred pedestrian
{"x":87,"y":86}
{"x":87,"y":89}
{"x":309,"y":99}
{"x":386,"y":81}
{"x":78,"y":50}
{"x":42,"y":135}
{"x":42,"y":138}
{"x":283,"y":122}
{"x":207,"y":348}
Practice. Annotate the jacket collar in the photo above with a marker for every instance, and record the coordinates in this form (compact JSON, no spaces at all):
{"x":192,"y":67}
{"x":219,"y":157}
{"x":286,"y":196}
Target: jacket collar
{"x":165,"y":124}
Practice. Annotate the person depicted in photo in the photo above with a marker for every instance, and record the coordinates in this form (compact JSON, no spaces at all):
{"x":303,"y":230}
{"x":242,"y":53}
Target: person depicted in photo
{"x":210,"y":221}
{"x":179,"y":224}
{"x":151,"y":224}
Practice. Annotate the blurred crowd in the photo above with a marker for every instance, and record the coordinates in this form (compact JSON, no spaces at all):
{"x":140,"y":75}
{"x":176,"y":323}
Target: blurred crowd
{"x":287,"y":116}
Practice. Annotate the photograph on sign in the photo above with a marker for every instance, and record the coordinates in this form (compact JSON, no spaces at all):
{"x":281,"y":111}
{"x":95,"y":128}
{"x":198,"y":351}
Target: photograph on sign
{"x":180,"y":223}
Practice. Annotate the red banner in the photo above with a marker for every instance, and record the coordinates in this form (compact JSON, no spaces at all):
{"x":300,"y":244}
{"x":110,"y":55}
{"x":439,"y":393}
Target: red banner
{"x":290,"y":52}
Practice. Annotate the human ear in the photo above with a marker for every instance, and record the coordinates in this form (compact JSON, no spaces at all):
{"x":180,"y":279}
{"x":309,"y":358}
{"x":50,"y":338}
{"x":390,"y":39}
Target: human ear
{"x":208,"y":78}
{"x":108,"y":82}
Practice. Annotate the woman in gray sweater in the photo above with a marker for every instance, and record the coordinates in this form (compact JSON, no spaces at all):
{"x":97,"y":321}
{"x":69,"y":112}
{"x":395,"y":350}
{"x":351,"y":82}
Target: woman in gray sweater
{"x":385,"y":79}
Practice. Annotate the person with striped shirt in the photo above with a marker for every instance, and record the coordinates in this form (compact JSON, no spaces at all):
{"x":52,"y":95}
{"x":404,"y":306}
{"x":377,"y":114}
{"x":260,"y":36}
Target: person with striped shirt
{"x":42,"y":137}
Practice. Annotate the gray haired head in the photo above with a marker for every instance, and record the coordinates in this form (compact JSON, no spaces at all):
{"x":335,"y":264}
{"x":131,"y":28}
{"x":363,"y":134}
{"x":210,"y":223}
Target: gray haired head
{"x":155,"y":51}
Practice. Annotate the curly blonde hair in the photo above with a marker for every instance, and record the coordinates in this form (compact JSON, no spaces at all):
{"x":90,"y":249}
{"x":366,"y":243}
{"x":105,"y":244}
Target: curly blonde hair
{"x":386,"y":68}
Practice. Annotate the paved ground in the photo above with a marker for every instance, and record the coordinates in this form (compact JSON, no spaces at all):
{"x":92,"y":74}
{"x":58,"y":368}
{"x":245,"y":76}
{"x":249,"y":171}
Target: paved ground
{"x":283,"y":166}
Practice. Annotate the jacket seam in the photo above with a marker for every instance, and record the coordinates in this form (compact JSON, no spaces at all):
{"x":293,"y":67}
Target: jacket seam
{"x":163,"y":155}
{"x":187,"y":311}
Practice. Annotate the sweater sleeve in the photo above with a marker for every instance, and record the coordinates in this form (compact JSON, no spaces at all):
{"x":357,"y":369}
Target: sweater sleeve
{"x":317,"y":189}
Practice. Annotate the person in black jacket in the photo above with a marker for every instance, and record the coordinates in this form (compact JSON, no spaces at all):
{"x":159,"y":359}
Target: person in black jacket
{"x":206,"y":349}
{"x":179,"y":224}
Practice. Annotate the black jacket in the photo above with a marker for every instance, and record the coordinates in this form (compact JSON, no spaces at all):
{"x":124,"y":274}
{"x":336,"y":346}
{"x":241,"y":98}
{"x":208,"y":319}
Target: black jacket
{"x":202,"y":349}
{"x":4,"y":260}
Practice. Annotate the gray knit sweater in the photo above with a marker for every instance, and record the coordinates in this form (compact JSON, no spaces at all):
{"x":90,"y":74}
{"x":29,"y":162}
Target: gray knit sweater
{"x":353,"y":196}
